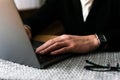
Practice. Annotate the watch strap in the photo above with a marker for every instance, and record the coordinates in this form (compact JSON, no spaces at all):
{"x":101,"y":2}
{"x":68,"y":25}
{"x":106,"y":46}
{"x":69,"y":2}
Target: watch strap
{"x":103,"y":41}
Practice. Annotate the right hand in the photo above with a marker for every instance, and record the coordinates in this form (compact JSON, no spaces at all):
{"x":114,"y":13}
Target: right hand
{"x":69,"y":43}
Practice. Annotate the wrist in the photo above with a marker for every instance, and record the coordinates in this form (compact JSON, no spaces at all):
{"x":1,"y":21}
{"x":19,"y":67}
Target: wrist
{"x":96,"y":41}
{"x":93,"y":42}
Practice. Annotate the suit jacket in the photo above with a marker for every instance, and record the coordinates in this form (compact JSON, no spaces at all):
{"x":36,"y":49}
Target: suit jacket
{"x":103,"y":18}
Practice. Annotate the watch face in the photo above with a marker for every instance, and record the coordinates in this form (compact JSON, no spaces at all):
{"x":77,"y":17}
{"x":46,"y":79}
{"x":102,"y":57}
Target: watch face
{"x":102,"y":38}
{"x":103,"y":41}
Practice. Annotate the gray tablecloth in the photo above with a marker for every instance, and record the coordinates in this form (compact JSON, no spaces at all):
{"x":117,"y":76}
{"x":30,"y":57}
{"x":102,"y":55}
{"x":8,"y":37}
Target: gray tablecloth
{"x":69,"y":69}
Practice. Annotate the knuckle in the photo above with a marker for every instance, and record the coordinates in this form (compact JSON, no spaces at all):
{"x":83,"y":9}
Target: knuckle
{"x":51,"y":41}
{"x":72,"y":45}
{"x":66,"y":36}
{"x":57,"y":44}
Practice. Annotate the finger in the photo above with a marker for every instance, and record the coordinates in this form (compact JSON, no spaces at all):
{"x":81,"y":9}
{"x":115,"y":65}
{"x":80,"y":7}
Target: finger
{"x":53,"y":47}
{"x":48,"y":43}
{"x":61,"y":51}
{"x":44,"y":46}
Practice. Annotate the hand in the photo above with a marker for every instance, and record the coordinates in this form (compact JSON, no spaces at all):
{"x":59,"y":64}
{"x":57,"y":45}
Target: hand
{"x":69,"y":43}
{"x":28,"y":31}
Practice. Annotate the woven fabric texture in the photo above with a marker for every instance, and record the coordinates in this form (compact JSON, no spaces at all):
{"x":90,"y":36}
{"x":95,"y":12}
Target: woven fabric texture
{"x":69,"y":69}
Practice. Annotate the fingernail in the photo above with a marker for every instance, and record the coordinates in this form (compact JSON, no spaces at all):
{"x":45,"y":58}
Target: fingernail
{"x":36,"y":51}
{"x":40,"y":52}
{"x":52,"y":53}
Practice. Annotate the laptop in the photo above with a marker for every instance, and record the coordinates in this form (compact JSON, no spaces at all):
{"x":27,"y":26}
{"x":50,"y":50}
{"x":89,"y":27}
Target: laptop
{"x":15,"y":45}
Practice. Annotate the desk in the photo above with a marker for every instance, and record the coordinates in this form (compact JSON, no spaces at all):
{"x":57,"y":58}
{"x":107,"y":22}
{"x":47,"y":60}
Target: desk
{"x":69,"y":69}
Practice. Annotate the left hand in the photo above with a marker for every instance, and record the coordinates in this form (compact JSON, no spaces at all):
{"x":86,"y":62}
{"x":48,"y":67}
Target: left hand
{"x":69,"y":43}
{"x":28,"y":31}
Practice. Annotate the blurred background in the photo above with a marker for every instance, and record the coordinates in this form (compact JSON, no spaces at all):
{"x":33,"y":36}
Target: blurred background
{"x":27,"y":7}
{"x":29,"y":4}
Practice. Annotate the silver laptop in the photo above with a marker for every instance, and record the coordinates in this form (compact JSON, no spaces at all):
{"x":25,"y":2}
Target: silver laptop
{"x":15,"y":45}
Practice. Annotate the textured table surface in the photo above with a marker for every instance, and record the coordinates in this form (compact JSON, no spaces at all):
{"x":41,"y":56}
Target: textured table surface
{"x":69,"y":69}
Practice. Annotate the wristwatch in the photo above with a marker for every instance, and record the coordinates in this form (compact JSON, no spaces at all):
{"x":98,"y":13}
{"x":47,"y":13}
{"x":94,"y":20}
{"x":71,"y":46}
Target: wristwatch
{"x":103,"y":40}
